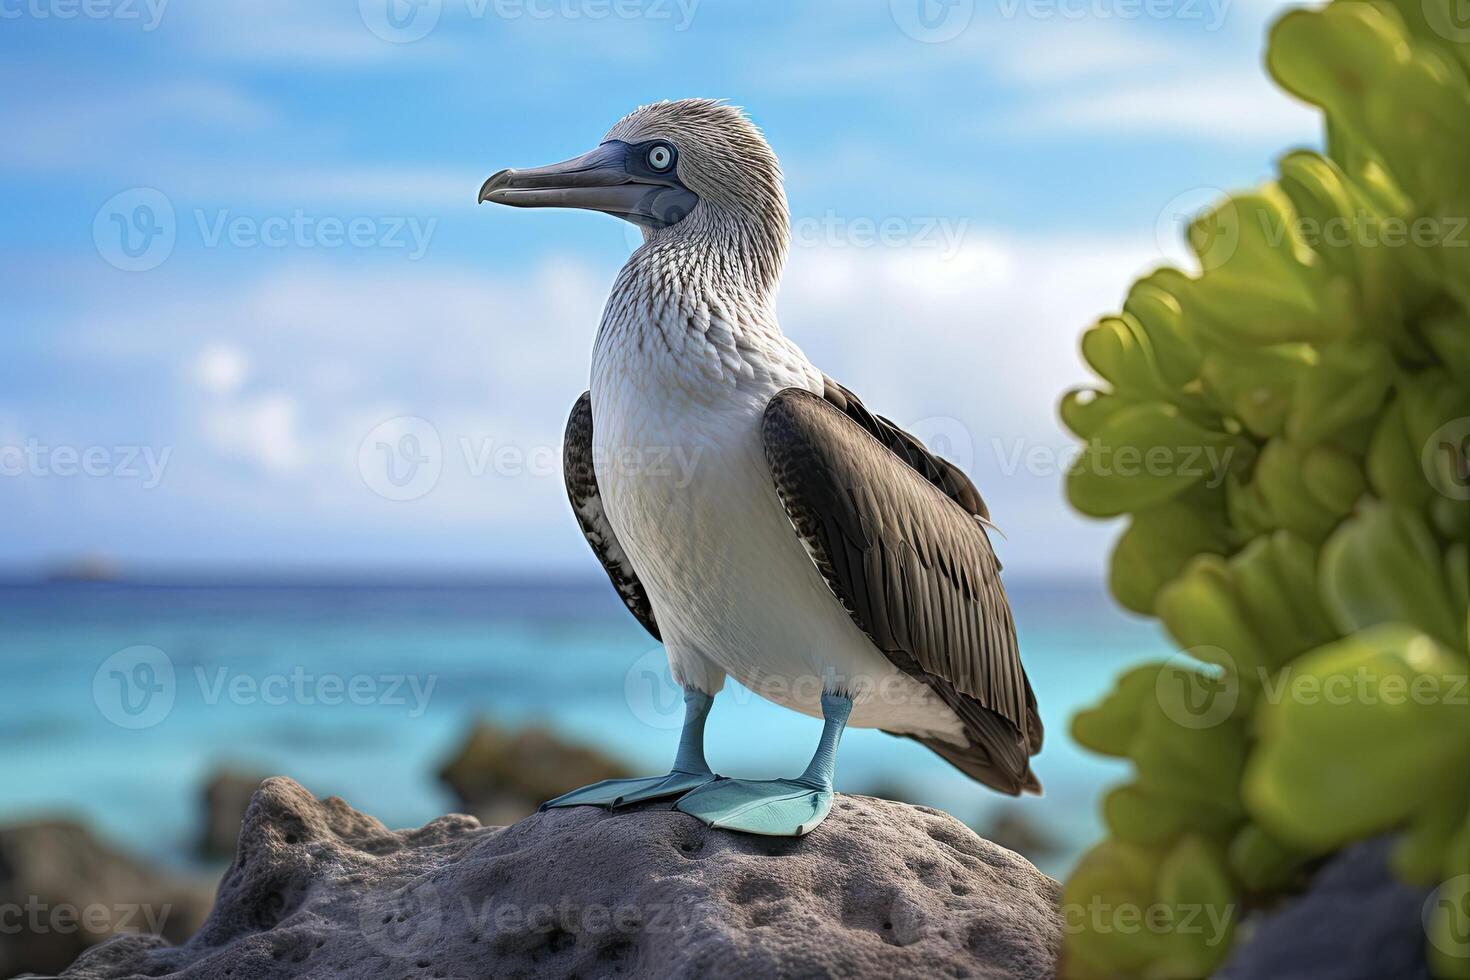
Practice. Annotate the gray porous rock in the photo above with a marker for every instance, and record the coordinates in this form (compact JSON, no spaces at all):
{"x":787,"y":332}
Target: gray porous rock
{"x":879,"y":890}
{"x":1356,"y":921}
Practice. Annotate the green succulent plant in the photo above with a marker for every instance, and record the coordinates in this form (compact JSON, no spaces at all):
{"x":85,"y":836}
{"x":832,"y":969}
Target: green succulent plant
{"x":1287,"y":433}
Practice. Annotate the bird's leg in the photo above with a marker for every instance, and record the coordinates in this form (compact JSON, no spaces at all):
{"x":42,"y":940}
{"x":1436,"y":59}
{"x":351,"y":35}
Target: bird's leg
{"x":777,"y":807}
{"x":819,"y":772}
{"x":690,"y":771}
{"x":690,"y":757}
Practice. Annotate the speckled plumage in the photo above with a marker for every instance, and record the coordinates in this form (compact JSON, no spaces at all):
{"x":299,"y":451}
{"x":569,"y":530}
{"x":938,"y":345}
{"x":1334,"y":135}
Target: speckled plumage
{"x":688,"y":359}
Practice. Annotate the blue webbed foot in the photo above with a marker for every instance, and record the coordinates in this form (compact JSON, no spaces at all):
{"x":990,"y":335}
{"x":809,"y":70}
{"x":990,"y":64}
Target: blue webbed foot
{"x":690,"y":771}
{"x":617,"y":792}
{"x":776,"y":807}
{"x":773,"y":807}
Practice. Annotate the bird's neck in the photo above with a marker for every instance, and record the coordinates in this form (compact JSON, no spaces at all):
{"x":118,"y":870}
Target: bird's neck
{"x":688,"y":314}
{"x":678,"y":284}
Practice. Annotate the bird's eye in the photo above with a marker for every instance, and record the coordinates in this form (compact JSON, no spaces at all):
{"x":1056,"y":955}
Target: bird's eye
{"x":661,"y":157}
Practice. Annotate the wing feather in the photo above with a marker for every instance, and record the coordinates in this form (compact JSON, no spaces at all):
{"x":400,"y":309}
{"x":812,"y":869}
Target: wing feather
{"x":896,"y":534}
{"x":581,"y":480}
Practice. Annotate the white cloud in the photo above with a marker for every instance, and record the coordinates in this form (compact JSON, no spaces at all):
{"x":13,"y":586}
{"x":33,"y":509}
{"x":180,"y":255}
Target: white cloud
{"x":302,"y":365}
{"x":458,"y":32}
{"x":316,"y":187}
{"x":1217,"y":107}
{"x":280,"y":30}
{"x":134,"y":128}
{"x":1055,"y":73}
{"x":70,"y":125}
{"x":1046,"y":52}
{"x":262,"y":429}
{"x":975,"y":352}
{"x":220,"y":369}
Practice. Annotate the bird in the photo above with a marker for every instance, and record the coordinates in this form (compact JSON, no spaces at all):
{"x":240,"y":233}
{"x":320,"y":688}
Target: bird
{"x":810,"y":549}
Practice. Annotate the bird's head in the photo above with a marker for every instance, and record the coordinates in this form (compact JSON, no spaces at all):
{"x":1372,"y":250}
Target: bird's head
{"x":694,"y":170}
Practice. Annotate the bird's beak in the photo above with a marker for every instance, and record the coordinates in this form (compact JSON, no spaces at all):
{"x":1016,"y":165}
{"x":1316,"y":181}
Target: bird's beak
{"x":601,"y":180}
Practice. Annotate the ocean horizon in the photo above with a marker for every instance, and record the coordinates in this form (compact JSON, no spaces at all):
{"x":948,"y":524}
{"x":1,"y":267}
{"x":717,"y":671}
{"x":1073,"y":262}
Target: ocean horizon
{"x":123,"y":697}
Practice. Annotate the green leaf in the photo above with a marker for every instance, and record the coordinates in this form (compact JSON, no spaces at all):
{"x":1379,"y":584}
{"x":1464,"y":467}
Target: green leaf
{"x":1383,"y":566}
{"x":1145,"y":454}
{"x":1356,"y":737}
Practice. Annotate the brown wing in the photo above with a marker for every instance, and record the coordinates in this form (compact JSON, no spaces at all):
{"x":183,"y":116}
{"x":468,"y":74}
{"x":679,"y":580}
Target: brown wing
{"x":587,"y":505}
{"x":905,"y":553}
{"x":937,"y":470}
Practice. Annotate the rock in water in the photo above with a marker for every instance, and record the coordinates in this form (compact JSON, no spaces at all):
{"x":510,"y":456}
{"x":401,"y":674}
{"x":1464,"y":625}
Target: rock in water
{"x":225,"y":799}
{"x":62,"y":889}
{"x":501,"y":776}
{"x":880,"y":889}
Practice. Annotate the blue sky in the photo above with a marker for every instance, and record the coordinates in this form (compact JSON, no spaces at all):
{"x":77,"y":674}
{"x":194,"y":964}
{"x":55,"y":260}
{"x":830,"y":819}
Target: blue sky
{"x":306,"y":280}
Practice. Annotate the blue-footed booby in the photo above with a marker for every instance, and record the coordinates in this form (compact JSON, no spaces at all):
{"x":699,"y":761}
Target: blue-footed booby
{"x":814,"y":551}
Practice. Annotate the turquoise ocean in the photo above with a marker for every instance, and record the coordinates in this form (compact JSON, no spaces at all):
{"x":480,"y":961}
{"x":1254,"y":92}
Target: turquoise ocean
{"x":119,"y":700}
